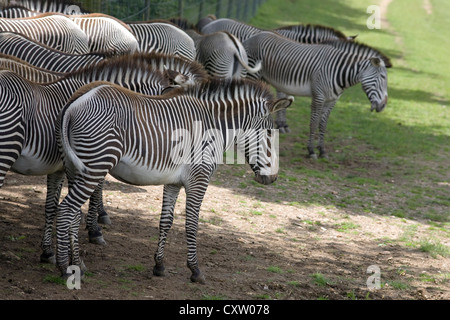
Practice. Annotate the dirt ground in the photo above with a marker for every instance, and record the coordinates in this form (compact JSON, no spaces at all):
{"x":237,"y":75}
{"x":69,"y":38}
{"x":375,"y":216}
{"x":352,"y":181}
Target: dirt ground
{"x":252,"y":243}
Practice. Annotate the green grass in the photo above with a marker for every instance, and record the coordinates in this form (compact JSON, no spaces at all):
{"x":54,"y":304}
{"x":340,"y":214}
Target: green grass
{"x":399,"y":157}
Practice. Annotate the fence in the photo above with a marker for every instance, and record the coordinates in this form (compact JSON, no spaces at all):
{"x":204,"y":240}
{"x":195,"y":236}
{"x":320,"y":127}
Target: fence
{"x":191,"y":10}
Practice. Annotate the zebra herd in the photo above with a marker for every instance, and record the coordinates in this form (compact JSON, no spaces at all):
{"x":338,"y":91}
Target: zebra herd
{"x":85,"y":95}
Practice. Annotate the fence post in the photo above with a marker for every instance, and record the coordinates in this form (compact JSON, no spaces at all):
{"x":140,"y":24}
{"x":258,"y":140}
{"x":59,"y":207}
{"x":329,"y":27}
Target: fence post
{"x":180,"y":8}
{"x":218,"y":8}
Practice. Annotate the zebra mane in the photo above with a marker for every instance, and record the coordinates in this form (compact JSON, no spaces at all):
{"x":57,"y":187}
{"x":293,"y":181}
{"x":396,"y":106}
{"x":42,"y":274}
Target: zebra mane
{"x":357,"y":48}
{"x":218,"y":89}
{"x":121,"y":66}
{"x":336,"y":32}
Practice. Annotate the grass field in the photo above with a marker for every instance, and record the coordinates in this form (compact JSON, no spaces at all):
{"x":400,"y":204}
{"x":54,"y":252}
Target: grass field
{"x":410,"y":138}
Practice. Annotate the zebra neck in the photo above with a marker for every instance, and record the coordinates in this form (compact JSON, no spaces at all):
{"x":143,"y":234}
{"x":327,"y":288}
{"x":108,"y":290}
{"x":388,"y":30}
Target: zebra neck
{"x":351,"y":76}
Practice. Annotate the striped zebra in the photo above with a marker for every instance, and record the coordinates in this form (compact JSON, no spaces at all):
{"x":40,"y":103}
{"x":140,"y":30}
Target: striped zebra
{"x":312,"y":33}
{"x":308,"y":33}
{"x":34,"y":7}
{"x":106,"y":33}
{"x":182,"y":136}
{"x":318,"y":71}
{"x":28,"y":71}
{"x":222,"y":55}
{"x":55,"y":30}
{"x":27,"y":123}
{"x":358,"y":49}
{"x":44,"y":57}
{"x":162,"y":36}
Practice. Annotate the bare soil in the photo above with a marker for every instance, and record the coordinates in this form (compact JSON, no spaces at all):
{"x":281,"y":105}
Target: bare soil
{"x":254,"y":242}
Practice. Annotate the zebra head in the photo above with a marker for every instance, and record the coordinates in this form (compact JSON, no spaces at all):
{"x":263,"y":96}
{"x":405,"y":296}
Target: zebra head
{"x":261,"y":141}
{"x":374,"y":82}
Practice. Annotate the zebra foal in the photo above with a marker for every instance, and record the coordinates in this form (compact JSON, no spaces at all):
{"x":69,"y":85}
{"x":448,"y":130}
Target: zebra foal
{"x":175,"y":140}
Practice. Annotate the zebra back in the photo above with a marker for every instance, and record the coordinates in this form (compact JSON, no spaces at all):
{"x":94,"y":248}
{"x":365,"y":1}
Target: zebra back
{"x":43,"y":56}
{"x":360,"y":50}
{"x":106,"y":33}
{"x":28,"y":71}
{"x":61,"y":6}
{"x":164,"y":37}
{"x":54,"y":29}
{"x":310,"y":33}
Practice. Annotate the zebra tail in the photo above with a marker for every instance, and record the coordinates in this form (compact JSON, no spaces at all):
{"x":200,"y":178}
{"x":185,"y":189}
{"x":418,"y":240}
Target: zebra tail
{"x":251,"y":70}
{"x":70,"y":155}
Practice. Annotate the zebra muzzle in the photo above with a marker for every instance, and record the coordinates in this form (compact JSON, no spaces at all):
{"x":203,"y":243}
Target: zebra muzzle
{"x":379,"y":106}
{"x":265,"y":179}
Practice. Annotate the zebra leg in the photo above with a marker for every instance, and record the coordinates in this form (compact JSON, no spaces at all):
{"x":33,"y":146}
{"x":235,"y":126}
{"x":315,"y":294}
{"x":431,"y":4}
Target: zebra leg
{"x":103,"y":217}
{"x":194,"y":197}
{"x":54,"y":186}
{"x":316,"y":111}
{"x":323,"y":126}
{"x":68,"y":220}
{"x":94,"y":230}
{"x":169,"y":198}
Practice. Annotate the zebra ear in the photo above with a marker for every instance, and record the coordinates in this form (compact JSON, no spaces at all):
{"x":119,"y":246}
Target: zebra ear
{"x":281,"y":104}
{"x":375,"y":61}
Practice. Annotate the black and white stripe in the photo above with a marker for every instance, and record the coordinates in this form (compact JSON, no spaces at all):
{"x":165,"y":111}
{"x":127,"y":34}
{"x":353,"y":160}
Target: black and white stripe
{"x":54,"y":30}
{"x":44,"y":57}
{"x":174,"y":140}
{"x":318,"y":71}
{"x":28,"y":113}
{"x":222,"y":55}
{"x":163,"y":37}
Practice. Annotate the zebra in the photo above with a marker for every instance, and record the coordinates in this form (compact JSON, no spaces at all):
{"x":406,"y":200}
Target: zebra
{"x":309,"y":33}
{"x":28,"y":71}
{"x":318,"y":71}
{"x":34,"y":7}
{"x":164,"y":37}
{"x":106,"y":33}
{"x":312,"y":33}
{"x":241,"y":30}
{"x":361,"y":50}
{"x":28,"y":114}
{"x":182,"y":136}
{"x":44,"y":57}
{"x":222,"y":54}
{"x":55,"y":30}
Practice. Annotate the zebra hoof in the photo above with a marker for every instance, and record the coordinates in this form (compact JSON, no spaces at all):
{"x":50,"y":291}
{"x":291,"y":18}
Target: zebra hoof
{"x":104,"y":219}
{"x":281,"y":129}
{"x":286,"y":129}
{"x":198,"y":277}
{"x":313,"y":156}
{"x":96,"y":237}
{"x":97,"y":240}
{"x":48,"y":258}
{"x":158,"y":271}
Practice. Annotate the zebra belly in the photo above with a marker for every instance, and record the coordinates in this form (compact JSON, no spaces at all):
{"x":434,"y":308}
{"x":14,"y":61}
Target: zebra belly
{"x":34,"y":166}
{"x":300,"y":90}
{"x":142,"y":175}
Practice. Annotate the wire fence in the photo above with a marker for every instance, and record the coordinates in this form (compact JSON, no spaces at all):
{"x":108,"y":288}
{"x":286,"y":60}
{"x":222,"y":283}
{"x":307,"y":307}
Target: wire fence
{"x":191,"y":10}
